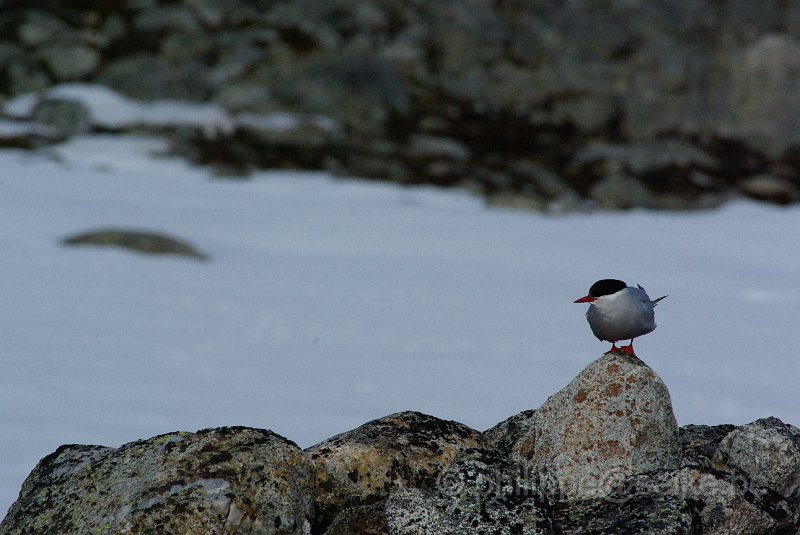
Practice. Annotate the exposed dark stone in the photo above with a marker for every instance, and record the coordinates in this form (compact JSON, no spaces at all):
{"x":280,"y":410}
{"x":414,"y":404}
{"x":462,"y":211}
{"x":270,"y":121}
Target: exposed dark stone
{"x":25,"y":135}
{"x":68,"y":117}
{"x":504,"y":435}
{"x":700,"y":442}
{"x":724,"y":503}
{"x":360,"y":520}
{"x":141,"y":242}
{"x":149,"y":77}
{"x":637,"y":515}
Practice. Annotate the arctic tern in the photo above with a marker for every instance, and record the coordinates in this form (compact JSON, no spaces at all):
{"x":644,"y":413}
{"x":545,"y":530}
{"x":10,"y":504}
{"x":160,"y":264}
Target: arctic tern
{"x":619,"y":312}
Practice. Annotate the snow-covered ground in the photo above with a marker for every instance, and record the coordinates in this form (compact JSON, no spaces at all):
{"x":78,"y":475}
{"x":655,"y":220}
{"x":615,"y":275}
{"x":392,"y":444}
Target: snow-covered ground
{"x":327,"y":303}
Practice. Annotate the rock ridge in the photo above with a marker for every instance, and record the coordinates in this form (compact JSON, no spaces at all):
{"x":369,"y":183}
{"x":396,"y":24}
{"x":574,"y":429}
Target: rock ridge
{"x":603,"y":455}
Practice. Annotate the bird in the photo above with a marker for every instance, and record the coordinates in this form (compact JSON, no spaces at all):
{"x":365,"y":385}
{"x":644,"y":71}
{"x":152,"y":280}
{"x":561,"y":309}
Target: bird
{"x":619,"y":312}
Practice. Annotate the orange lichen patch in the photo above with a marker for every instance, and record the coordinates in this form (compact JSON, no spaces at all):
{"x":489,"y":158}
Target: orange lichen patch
{"x":613,"y":368}
{"x":610,"y":448}
{"x":526,"y":445}
{"x":614,"y":390}
{"x":580,"y":396}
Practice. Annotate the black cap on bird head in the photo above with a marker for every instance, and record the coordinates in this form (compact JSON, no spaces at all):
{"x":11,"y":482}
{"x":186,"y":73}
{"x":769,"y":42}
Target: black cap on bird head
{"x":606,"y":287}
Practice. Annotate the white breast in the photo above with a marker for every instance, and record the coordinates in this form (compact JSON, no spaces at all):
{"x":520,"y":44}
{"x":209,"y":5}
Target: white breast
{"x":621,"y":316}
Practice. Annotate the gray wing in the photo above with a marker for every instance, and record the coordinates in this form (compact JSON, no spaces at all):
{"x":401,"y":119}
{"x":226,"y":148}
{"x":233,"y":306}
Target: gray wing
{"x":653,"y":302}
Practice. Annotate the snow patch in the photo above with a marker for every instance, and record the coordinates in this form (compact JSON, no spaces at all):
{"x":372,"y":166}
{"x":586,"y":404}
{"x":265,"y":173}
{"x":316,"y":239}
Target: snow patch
{"x":331,"y":302}
{"x":111,"y":110}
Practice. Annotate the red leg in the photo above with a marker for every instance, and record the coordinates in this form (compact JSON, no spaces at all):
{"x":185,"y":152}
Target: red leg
{"x":614,"y":348}
{"x":628,"y":348}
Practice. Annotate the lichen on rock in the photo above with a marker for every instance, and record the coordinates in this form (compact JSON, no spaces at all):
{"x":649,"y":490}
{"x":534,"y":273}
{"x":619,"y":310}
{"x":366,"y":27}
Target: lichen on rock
{"x":224,"y":480}
{"x":766,"y":452}
{"x":613,"y":420}
{"x":407,"y":449}
{"x":602,"y":456}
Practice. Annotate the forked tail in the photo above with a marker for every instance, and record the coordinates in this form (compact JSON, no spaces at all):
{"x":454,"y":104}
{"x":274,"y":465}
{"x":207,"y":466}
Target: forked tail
{"x":655,"y":301}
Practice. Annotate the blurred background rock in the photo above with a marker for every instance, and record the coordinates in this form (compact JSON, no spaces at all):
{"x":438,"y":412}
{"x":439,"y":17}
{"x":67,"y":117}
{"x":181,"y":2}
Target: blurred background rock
{"x":553,"y":106}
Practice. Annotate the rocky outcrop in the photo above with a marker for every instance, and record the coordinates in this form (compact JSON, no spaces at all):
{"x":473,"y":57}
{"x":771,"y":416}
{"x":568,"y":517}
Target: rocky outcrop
{"x":607,"y":103}
{"x":602,"y":456}
{"x":613,"y":420}
{"x":765,"y":452}
{"x":226,"y":480}
{"x":364,"y":465}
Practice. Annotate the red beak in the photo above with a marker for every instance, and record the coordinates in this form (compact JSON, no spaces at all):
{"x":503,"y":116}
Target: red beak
{"x":585,"y":299}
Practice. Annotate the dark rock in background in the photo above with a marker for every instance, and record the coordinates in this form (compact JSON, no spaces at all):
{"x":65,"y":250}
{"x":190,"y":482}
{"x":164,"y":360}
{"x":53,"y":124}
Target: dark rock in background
{"x":557,"y":107}
{"x":67,"y":117}
{"x":138,"y":241}
{"x":26,"y":135}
